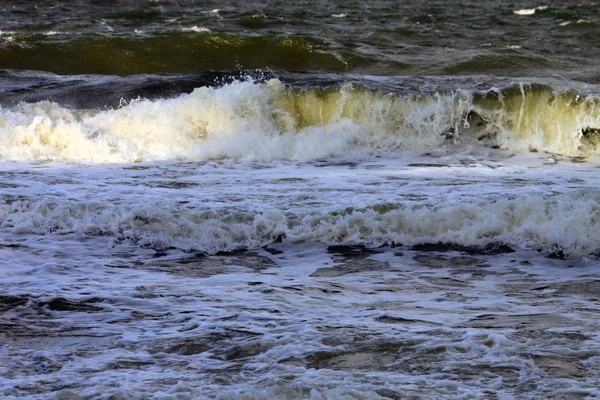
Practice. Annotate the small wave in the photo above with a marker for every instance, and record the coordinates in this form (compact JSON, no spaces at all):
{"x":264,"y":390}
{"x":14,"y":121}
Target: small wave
{"x":183,"y":50}
{"x":538,"y":222}
{"x":196,"y":29}
{"x":578,"y":22}
{"x":530,"y":11}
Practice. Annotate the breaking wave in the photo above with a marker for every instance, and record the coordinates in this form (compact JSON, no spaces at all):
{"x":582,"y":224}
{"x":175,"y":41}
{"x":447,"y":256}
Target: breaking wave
{"x":246,"y":120}
{"x":565,"y":223}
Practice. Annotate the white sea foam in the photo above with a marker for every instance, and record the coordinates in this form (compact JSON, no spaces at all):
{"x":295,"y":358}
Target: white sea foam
{"x":87,"y":251}
{"x":528,"y":11}
{"x":249,"y":121}
{"x":547,"y":223}
{"x":531,"y":11}
{"x":7,"y":36}
{"x":242,"y":121}
{"x":196,"y":29}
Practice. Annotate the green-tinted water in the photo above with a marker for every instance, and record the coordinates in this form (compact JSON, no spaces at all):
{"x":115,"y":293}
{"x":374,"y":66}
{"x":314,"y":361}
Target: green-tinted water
{"x":378,"y":37}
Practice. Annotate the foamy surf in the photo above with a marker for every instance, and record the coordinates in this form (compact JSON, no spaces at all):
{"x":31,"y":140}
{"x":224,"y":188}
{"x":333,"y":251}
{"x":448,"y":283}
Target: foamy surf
{"x":548,"y":223}
{"x":211,"y":200}
{"x":250,"y":121}
{"x":473,"y":197}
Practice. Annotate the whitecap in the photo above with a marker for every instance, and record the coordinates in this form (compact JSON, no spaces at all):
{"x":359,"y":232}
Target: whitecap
{"x":195,"y":29}
{"x":529,"y":11}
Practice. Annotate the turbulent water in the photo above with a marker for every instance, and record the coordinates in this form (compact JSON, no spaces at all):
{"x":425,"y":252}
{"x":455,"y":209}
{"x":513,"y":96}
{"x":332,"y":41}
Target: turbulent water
{"x":439,"y":37}
{"x":318,"y":200}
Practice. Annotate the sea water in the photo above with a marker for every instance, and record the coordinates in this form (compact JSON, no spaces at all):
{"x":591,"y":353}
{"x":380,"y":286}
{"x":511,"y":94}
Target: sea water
{"x":403,"y":219}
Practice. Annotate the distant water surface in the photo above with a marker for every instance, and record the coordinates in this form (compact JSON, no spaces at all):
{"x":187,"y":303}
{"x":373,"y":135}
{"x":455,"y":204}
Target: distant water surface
{"x":375,"y":37}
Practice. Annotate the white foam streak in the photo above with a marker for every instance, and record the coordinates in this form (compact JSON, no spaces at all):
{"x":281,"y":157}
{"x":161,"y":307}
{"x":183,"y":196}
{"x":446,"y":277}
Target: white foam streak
{"x":529,"y":11}
{"x":195,"y":29}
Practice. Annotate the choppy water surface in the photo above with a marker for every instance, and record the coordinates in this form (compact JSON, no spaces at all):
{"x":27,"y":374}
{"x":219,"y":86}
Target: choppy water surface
{"x":123,"y":280}
{"x":377,"y":37}
{"x":396,"y":201}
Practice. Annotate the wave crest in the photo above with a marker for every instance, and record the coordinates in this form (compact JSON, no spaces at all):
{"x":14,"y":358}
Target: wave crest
{"x":253,"y":121}
{"x":548,"y":223}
